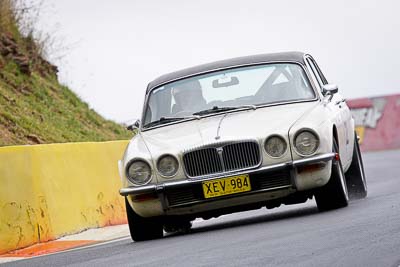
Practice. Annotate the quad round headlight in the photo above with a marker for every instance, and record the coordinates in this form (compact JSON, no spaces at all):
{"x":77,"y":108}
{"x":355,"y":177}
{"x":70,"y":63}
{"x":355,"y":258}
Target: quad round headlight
{"x":306,"y":142}
{"x":138,"y":172}
{"x":167,"y":165}
{"x":275,"y":146}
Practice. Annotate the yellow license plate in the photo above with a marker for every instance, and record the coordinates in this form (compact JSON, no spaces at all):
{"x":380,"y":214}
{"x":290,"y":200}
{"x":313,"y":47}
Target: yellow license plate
{"x":226,"y":186}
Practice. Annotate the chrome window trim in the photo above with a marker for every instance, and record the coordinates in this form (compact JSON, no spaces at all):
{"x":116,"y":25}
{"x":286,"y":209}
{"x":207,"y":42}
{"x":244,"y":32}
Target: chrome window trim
{"x":319,"y":71}
{"x":315,"y":72}
{"x":313,"y":76}
{"x":307,"y":59}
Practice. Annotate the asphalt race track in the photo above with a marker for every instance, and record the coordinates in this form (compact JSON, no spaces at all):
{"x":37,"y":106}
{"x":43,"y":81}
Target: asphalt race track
{"x":367,"y":233}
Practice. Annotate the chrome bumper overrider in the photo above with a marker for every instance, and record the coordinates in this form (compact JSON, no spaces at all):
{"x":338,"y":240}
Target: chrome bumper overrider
{"x":159,"y":188}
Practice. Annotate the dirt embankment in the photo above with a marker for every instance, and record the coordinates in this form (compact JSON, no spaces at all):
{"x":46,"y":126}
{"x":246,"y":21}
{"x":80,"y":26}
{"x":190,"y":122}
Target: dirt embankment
{"x":34,"y":107}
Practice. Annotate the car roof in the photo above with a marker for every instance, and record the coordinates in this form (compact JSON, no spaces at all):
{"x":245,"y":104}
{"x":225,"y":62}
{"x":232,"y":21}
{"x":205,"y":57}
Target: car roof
{"x":226,"y":64}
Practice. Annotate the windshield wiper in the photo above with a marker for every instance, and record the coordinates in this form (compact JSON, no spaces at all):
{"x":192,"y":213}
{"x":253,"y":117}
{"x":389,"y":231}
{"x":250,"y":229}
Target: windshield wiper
{"x":217,"y":109}
{"x":197,"y":115}
{"x":163,"y":120}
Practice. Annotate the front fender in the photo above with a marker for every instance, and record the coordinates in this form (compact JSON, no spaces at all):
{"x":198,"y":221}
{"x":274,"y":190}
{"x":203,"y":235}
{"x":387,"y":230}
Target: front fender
{"x":136,"y":149}
{"x":320,"y":121}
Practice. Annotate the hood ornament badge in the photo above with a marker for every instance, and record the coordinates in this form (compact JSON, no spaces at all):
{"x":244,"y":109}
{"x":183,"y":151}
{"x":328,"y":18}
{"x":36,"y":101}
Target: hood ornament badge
{"x":219,"y":127}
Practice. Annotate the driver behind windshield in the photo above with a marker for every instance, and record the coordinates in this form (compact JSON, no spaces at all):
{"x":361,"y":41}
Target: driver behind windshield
{"x":188,"y":98}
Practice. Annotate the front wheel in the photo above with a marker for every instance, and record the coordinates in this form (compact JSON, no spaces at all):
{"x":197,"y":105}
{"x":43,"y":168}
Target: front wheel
{"x":355,"y":176}
{"x":334,"y":194}
{"x":179,"y":226}
{"x":140,"y":228}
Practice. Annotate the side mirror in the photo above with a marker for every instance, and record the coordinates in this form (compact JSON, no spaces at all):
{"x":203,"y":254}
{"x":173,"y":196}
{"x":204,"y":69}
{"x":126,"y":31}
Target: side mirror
{"x":134,"y":126}
{"x":329,"y":89}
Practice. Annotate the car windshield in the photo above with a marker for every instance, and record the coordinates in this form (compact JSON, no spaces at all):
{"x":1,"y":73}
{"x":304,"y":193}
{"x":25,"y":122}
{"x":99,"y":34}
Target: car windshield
{"x":225,"y":90}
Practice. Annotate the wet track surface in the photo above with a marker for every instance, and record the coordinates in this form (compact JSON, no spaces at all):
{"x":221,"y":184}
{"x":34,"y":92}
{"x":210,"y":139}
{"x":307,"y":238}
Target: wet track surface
{"x":366,"y":233}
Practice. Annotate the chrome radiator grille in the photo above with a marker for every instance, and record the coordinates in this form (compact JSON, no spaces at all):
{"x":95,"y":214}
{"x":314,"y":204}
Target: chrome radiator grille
{"x":222,"y":158}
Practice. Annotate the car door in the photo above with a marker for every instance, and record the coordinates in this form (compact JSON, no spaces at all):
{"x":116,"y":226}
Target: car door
{"x":347,"y":121}
{"x":348,"y":124}
{"x":338,"y":108}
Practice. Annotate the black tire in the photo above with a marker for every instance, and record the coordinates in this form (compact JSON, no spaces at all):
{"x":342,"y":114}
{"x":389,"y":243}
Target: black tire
{"x":355,"y":175}
{"x":142,"y":229}
{"x":334,"y":194}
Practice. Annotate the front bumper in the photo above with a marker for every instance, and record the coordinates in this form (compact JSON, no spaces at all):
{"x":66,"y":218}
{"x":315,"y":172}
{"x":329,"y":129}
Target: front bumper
{"x":281,"y":176}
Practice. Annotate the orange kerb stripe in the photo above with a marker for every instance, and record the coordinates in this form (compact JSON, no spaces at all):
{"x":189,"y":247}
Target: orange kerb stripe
{"x":48,"y":247}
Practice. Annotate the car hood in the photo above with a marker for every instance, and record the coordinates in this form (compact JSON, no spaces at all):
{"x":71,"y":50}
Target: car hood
{"x":240,"y":125}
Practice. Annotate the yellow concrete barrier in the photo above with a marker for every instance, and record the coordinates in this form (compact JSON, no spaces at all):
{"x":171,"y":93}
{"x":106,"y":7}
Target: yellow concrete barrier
{"x":47,"y":191}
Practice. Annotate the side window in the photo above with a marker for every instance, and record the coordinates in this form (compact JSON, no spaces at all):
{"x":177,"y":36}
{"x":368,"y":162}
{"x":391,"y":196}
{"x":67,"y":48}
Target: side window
{"x":321,"y":75}
{"x":317,"y":79}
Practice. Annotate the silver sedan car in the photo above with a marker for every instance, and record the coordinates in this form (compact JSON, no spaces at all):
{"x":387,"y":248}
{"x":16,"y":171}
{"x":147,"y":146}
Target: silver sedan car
{"x":238,"y":134}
